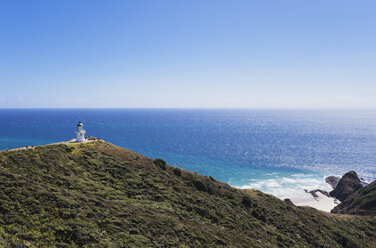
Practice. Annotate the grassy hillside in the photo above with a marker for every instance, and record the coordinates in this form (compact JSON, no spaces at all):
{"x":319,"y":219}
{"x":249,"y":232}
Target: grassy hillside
{"x":100,"y":195}
{"x":363,"y":202}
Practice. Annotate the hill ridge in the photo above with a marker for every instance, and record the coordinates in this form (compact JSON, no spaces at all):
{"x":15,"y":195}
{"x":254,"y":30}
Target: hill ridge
{"x":100,"y":195}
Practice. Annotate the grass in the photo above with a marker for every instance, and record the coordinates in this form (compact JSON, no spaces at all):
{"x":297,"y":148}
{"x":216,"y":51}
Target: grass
{"x":99,"y":195}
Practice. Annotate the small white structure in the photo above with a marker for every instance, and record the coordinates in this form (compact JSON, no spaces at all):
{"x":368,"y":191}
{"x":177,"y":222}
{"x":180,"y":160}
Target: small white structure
{"x":80,"y":132}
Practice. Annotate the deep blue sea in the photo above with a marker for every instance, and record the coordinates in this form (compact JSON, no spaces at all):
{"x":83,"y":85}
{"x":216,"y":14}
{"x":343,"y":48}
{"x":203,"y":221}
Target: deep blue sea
{"x":280,"y":152}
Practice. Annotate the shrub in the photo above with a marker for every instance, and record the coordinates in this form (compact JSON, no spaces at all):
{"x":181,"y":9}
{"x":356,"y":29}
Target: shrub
{"x":255,"y":213}
{"x":247,"y":201}
{"x":258,"y":215}
{"x":161,"y":163}
{"x":200,"y":185}
{"x":289,"y":202}
{"x":177,"y":171}
{"x":68,"y":149}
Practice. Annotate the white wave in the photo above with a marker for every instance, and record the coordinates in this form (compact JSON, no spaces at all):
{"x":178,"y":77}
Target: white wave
{"x":293,"y":187}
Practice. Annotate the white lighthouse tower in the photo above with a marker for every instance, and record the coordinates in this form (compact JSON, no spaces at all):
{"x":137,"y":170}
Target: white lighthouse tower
{"x":80,"y":132}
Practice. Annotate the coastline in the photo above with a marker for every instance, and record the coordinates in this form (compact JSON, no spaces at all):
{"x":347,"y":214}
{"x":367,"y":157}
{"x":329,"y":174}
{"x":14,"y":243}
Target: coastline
{"x":297,"y":187}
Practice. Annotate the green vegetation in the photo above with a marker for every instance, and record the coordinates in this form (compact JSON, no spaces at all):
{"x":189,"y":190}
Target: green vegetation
{"x":247,"y":201}
{"x":161,"y":163}
{"x":177,"y":171}
{"x":100,"y":195}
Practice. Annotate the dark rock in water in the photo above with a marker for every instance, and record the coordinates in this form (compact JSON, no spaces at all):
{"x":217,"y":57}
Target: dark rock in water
{"x":314,"y":192}
{"x":347,"y":186}
{"x":332,"y":181}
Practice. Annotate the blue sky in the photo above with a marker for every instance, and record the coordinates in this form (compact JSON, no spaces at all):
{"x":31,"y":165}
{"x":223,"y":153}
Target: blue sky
{"x":188,"y":54}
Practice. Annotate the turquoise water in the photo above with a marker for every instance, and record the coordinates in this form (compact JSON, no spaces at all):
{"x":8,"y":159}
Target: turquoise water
{"x":278,"y":151}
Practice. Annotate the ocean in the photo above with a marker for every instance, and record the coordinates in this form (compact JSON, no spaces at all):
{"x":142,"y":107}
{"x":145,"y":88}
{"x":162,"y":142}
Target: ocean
{"x":281,"y":152}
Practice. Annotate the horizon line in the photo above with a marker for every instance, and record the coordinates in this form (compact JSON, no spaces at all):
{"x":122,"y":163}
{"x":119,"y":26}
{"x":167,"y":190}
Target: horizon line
{"x":188,"y":108}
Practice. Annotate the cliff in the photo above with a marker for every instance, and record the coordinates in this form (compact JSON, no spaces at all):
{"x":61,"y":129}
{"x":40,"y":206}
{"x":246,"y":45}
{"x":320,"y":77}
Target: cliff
{"x":100,"y":195}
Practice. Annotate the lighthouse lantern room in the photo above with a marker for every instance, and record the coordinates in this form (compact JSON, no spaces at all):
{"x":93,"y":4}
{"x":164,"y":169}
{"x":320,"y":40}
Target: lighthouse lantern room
{"x":80,"y":132}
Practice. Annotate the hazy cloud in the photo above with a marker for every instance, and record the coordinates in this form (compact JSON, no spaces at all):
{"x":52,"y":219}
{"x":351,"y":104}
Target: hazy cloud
{"x":315,"y":102}
{"x":64,"y":100}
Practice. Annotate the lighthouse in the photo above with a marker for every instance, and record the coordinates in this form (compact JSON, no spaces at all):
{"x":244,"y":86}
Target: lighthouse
{"x":80,"y":132}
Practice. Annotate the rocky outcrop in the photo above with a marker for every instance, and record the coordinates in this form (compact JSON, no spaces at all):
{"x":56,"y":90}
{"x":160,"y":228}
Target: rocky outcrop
{"x":314,"y":192}
{"x":347,"y":186}
{"x":363,"y":202}
{"x":332,"y":181}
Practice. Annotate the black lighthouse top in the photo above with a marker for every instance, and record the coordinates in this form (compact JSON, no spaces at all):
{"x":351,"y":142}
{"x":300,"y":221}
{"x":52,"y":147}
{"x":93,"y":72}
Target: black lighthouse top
{"x":80,"y":124}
